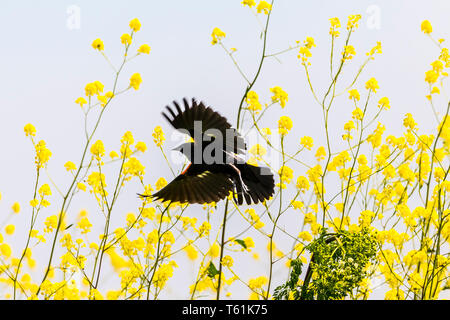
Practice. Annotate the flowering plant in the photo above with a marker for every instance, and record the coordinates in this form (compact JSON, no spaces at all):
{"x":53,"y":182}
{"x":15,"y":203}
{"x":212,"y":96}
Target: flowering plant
{"x":369,"y":208}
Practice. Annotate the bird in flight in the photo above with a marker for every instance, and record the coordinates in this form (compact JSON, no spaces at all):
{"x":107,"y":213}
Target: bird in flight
{"x":216,"y":155}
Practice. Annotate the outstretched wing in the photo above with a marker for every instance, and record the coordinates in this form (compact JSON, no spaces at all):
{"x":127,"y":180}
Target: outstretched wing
{"x":194,"y":186}
{"x":197,"y":119}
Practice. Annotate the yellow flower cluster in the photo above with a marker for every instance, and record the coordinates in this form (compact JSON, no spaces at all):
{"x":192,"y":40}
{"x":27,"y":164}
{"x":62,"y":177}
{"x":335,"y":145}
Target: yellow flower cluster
{"x":353,"y":21}
{"x":284,"y":125}
{"x":158,"y":136}
{"x":254,"y":218}
{"x":258,"y":151}
{"x":263,"y":6}
{"x":304,"y":52}
{"x":279,"y":95}
{"x":217,"y":35}
{"x":286,"y":174}
{"x":252,"y":101}
{"x":135,"y":81}
{"x":348,"y":53}
{"x":43,"y":154}
{"x":335,"y":25}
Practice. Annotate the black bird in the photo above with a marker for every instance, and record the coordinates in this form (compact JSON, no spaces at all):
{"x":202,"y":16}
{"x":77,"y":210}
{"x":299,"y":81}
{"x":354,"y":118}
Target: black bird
{"x":216,"y":161}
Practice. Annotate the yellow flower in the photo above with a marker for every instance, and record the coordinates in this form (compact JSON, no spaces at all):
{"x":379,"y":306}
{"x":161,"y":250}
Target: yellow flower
{"x":309,"y":42}
{"x":34,"y":203}
{"x":161,"y":183}
{"x":203,"y":230}
{"x":409,"y":122}
{"x":43,"y":154}
{"x":374,"y":50}
{"x":45,"y":190}
{"x":249,"y":243}
{"x":113,"y":154}
{"x":50,"y":223}
{"x":437,"y":65}
{"x":29,"y":130}
{"x":305,"y":236}
{"x":302,"y":184}
{"x":10,"y":228}
{"x":98,"y":149}
{"x":158,"y":136}
{"x":310,"y":218}
{"x":254,"y":218}
{"x":249,"y":3}
{"x":297,"y":205}
{"x":354,"y":94}
{"x":353,"y":20}
{"x":279,"y":96}
{"x":214,"y":250}
{"x":127,"y":140}
{"x":135,"y":25}
{"x":257,"y":283}
{"x":304,"y":53}
{"x":431,"y":76}
{"x":227,"y":261}
{"x":102,"y":99}
{"x":191,"y":252}
{"x":130,"y":219}
{"x":263,"y":6}
{"x":16,"y":207}
{"x":126,"y":39}
{"x":307,"y":142}
{"x":145,"y":48}
{"x":426,"y":27}
{"x":357,"y":114}
{"x":266,"y":131}
{"x":366,"y":217}
{"x":81,"y":186}
{"x":335,"y":24}
{"x":141,"y":146}
{"x":5,"y":250}
{"x":286,"y":174}
{"x":383,"y":103}
{"x":134,"y":167}
{"x":435,"y":90}
{"x":81,"y":101}
{"x":348,"y":52}
{"x":258,"y":150}
{"x":320,"y":153}
{"x":109,"y":95}
{"x":252,"y":100}
{"x":90,"y":89}
{"x":135,"y":81}
{"x":84,"y":225}
{"x":217,"y":35}
{"x":372,"y":84}
{"x":97,"y":44}
{"x":444,"y":56}
{"x":284,"y":125}
{"x":97,"y":182}
{"x":348,"y":126}
{"x":314,"y":173}
{"x":93,"y":88}
{"x":163,"y":274}
{"x":69,"y":165}
{"x":98,"y":85}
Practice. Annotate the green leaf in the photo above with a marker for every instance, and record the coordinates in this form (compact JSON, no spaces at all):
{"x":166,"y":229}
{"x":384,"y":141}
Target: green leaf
{"x":212,"y":270}
{"x":69,"y":226}
{"x":241,"y":242}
